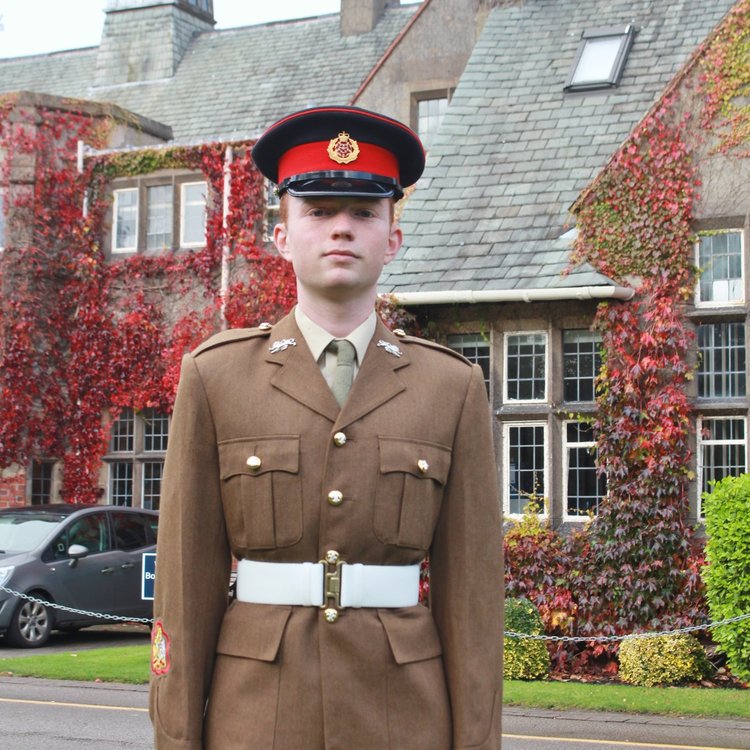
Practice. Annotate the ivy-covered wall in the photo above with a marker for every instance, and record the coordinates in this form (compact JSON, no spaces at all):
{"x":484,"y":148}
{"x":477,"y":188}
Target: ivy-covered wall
{"x":83,"y":335}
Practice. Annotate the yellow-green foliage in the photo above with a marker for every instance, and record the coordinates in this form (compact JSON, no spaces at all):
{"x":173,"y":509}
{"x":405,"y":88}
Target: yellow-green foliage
{"x":524,"y":658}
{"x":662,"y":660}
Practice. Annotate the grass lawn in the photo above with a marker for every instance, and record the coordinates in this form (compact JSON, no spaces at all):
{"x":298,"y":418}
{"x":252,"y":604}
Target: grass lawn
{"x":130,"y":664}
{"x":125,"y":664}
{"x":685,"y":701}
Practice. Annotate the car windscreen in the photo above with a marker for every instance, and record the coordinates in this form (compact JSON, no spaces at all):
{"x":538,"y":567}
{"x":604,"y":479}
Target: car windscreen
{"x":23,"y":532}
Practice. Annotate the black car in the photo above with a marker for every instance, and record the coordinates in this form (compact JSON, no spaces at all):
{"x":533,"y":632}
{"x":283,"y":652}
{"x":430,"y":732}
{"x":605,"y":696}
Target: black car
{"x":79,"y":557}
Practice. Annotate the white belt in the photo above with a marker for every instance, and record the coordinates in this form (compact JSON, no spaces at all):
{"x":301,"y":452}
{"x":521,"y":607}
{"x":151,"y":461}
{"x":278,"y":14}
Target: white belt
{"x":313,"y":584}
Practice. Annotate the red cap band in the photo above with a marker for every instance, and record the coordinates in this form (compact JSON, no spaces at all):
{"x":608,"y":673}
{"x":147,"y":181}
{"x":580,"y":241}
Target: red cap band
{"x":314,"y":157}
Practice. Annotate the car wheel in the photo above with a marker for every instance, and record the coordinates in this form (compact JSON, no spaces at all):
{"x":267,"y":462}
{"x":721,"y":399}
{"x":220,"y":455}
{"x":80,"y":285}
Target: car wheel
{"x":30,"y":626}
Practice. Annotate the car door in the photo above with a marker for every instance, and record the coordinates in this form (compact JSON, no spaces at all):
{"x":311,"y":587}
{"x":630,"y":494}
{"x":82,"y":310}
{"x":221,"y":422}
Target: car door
{"x":87,"y":583}
{"x":133,"y":534}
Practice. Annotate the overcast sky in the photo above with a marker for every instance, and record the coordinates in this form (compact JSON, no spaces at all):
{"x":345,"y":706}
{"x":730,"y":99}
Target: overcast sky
{"x":29,"y":27}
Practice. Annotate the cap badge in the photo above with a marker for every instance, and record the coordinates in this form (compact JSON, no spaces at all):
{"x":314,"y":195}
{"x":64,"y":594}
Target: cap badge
{"x":280,"y":346}
{"x":390,"y":348}
{"x":343,"y":149}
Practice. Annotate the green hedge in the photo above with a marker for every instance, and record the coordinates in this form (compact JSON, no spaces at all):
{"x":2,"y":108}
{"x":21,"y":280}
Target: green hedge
{"x":727,"y":573}
{"x":524,"y":658}
{"x":662,"y":660}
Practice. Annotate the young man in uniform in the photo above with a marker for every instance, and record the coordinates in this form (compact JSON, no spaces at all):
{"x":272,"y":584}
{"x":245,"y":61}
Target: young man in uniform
{"x":330,"y":456}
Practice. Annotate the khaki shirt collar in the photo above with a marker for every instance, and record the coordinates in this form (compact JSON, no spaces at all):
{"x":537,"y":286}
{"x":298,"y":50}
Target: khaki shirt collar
{"x":317,"y":338}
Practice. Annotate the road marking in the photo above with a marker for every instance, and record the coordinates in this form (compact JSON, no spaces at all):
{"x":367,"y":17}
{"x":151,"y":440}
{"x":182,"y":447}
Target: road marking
{"x":71,"y":705}
{"x":616,"y":743}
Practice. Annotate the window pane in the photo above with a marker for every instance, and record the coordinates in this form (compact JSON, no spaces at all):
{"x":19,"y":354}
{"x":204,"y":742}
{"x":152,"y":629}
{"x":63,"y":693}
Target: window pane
{"x":132,"y":531}
{"x":152,"y":471}
{"x":525,"y":366}
{"x":722,"y":450}
{"x":597,"y":60}
{"x":429,"y":116}
{"x":720,"y":261}
{"x":41,"y":482}
{"x":122,"y":439}
{"x":585,"y":488}
{"x":581,"y":363}
{"x":155,"y":432}
{"x":721,"y":372}
{"x":121,"y":483}
{"x":91,"y":532}
{"x":159,"y":217}
{"x":525,"y":466}
{"x":126,"y":219}
{"x":476,"y":348}
{"x":193,"y":213}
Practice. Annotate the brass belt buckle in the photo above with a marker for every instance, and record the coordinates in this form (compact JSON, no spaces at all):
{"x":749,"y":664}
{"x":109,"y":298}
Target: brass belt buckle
{"x":332,"y":585}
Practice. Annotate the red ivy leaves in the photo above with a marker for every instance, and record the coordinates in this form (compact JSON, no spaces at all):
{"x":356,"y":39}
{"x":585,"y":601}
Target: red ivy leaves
{"x":81,"y":336}
{"x":635,"y":226}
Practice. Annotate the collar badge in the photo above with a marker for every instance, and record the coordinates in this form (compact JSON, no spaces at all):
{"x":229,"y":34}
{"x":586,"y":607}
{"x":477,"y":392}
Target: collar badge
{"x":390,"y":348}
{"x":279,"y":346}
{"x":343,"y":149}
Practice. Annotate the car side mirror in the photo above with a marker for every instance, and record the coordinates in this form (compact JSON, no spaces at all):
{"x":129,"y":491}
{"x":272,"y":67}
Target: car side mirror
{"x":75,"y":553}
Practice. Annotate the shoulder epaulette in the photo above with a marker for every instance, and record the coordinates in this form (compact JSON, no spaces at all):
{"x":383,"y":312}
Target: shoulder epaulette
{"x":227,"y":337}
{"x":430,"y":344}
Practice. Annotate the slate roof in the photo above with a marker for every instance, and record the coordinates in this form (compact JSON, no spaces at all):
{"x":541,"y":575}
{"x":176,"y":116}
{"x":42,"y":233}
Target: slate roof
{"x":514,"y":150}
{"x":231,"y":83}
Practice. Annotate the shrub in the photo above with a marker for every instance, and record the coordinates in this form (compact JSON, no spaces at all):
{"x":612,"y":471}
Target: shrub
{"x":662,"y":660}
{"x":727,"y":574}
{"x":524,"y":658}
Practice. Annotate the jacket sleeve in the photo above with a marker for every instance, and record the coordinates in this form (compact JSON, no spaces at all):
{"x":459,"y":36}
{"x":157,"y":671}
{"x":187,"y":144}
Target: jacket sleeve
{"x":466,"y":578}
{"x":193,"y":563}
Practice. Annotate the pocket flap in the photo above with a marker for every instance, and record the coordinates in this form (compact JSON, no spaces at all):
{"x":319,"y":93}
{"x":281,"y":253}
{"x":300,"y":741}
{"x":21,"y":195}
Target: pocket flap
{"x":411,"y":634}
{"x":253,"y":631}
{"x":255,"y":456}
{"x":416,"y":457}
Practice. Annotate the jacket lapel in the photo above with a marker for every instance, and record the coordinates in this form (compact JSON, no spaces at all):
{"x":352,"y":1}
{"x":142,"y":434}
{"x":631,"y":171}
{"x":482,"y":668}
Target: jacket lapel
{"x":377,"y":380}
{"x":298,"y":374}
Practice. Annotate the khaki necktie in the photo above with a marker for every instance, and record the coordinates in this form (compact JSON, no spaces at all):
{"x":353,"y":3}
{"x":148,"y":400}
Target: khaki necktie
{"x":344,"y":374}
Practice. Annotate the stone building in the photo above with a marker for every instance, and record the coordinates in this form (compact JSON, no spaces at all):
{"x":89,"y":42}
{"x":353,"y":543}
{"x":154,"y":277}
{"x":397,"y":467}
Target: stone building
{"x":522,"y":105}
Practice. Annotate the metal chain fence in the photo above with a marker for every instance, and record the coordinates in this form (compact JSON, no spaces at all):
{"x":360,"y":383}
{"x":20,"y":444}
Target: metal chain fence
{"x":62,"y":607}
{"x":507,"y":633}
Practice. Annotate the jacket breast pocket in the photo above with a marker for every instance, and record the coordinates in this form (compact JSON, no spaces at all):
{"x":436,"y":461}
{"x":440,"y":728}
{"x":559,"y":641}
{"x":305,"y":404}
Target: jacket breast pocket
{"x":409,"y":491}
{"x":262,"y":493}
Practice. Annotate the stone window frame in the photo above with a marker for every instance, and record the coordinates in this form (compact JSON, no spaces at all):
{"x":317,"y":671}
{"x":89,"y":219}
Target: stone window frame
{"x":541,"y":490}
{"x":726,"y":353}
{"x":703,"y":442}
{"x":429,"y":95}
{"x":178,"y":179}
{"x":737,"y":301}
{"x":506,"y":370}
{"x":477,"y":348}
{"x":134,"y":470}
{"x":578,"y":380}
{"x":578,"y":445}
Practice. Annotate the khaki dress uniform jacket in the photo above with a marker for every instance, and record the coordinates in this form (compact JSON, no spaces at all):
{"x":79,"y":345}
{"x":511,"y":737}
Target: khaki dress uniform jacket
{"x":417,"y":473}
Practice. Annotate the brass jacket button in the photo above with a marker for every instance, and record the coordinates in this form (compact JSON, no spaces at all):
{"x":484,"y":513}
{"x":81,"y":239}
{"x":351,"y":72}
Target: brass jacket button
{"x":423,"y":466}
{"x":339,"y":439}
{"x":254,"y":463}
{"x":332,"y":557}
{"x":331,"y":614}
{"x":335,"y":497}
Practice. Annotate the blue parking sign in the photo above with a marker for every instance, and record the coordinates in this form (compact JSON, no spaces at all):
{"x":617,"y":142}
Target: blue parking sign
{"x":149,"y":575}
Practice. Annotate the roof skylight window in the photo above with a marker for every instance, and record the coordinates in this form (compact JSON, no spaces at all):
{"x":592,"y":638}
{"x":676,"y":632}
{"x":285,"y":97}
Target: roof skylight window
{"x":600,"y":58}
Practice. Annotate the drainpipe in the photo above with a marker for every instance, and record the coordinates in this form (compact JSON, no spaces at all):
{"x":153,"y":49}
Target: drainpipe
{"x":81,"y":148}
{"x":224,"y":290}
